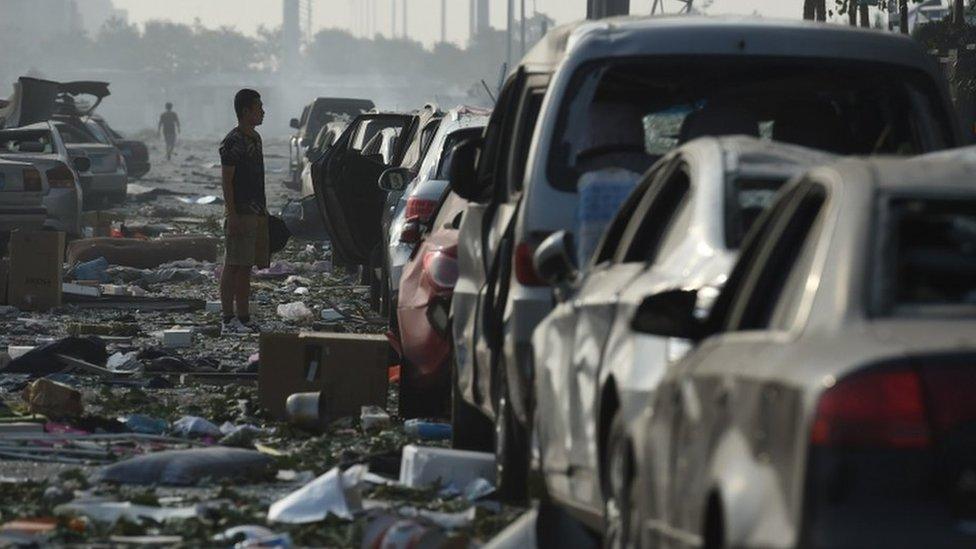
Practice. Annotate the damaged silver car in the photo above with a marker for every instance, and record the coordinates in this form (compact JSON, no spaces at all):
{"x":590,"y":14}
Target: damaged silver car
{"x":827,"y":399}
{"x":681,"y":227}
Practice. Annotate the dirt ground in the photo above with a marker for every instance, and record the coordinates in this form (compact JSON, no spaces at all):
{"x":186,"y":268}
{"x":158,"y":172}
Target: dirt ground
{"x":34,"y":487}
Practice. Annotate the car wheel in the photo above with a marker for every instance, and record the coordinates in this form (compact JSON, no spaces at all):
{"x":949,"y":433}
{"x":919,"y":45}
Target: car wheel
{"x":470,"y":429}
{"x":511,"y":449}
{"x":621,"y":512}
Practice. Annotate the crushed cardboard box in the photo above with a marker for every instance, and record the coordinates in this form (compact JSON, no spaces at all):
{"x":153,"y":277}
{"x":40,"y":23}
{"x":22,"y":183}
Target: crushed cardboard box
{"x":349,"y":369}
{"x":35,"y":269}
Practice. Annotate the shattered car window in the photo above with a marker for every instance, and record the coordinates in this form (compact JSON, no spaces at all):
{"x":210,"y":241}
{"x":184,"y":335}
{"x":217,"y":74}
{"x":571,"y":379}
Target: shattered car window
{"x":11,"y":141}
{"x":629,"y":113}
{"x":934,"y":253}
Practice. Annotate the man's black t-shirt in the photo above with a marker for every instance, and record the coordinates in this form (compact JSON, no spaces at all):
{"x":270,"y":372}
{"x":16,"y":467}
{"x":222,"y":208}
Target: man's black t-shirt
{"x":245,"y":153}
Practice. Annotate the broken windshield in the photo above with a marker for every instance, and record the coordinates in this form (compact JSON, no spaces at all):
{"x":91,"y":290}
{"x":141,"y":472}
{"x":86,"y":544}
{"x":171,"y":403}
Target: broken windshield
{"x":629,"y":113}
{"x":26,"y":142}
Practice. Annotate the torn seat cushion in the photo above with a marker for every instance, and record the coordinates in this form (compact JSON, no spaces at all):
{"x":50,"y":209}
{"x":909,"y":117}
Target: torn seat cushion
{"x":190,"y":467}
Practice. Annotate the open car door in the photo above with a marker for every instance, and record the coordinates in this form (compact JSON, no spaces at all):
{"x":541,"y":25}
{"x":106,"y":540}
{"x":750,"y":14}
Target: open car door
{"x":347,"y":189}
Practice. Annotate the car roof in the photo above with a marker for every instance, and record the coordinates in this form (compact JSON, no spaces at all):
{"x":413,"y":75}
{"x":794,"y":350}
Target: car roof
{"x":924,"y":175}
{"x":726,"y":35}
{"x":756,"y":154}
{"x":30,"y":127}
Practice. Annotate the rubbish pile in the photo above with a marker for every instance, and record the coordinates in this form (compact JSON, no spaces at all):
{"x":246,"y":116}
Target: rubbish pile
{"x":125,"y":418}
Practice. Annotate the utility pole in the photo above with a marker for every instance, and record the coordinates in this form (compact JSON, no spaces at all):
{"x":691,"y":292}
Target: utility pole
{"x":523,"y":28}
{"x":903,"y":16}
{"x":443,"y":21}
{"x":508,"y":31}
{"x":404,"y":10}
{"x":392,"y":19}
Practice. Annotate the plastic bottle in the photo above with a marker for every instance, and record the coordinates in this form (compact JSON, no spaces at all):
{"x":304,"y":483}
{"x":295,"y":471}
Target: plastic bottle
{"x":427,"y":430}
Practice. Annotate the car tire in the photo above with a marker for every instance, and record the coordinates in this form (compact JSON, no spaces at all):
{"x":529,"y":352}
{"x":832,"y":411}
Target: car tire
{"x":511,"y":449}
{"x":470,"y":429}
{"x":620,"y":510}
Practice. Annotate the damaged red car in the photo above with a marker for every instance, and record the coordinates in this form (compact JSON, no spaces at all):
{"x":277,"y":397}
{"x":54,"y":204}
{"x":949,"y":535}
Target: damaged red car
{"x":424,"y":336}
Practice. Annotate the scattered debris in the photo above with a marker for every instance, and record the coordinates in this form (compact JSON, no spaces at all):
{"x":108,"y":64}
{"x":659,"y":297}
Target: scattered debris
{"x":335,"y":493}
{"x":425,"y":466}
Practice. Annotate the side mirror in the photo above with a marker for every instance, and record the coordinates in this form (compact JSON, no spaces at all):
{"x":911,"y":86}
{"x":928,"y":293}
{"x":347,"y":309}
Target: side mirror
{"x":395,"y":180}
{"x":669,"y":314}
{"x":464,"y":170}
{"x":554,"y":259}
{"x":294,"y":123}
{"x":81,"y":163}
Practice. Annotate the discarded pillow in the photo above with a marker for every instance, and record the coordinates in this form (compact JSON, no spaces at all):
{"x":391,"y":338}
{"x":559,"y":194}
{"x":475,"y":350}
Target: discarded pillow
{"x":189,"y":467}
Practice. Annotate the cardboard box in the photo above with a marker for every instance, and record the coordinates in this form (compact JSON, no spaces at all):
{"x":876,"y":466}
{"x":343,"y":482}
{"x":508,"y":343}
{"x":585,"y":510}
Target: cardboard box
{"x":35,"y":269}
{"x":349,"y":369}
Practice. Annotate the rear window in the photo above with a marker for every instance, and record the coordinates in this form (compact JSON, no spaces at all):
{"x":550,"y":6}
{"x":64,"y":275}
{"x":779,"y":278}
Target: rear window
{"x":70,"y":134}
{"x":26,"y":142}
{"x":629,"y":113}
{"x":746,"y":199}
{"x":932,"y":255}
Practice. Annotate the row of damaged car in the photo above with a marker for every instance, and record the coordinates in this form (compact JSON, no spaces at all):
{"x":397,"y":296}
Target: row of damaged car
{"x":630,"y":257}
{"x":78,"y":160}
{"x":687,"y":284}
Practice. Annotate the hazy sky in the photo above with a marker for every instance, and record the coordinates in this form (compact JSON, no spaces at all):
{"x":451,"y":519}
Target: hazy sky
{"x":423,"y":21}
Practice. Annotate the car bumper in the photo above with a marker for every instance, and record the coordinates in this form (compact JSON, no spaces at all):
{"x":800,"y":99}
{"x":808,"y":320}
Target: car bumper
{"x":21,"y":217}
{"x":137,"y":169}
{"x":103,"y":184}
{"x":428,"y":349}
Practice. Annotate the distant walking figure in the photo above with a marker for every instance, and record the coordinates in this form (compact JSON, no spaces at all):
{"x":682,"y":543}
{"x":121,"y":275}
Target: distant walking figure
{"x":169,"y":126}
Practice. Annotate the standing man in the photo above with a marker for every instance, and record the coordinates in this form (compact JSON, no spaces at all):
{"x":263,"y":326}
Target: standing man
{"x":245,"y":218}
{"x":169,"y":126}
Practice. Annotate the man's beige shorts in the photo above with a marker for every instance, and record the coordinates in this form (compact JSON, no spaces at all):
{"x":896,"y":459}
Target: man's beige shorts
{"x":250,"y":247}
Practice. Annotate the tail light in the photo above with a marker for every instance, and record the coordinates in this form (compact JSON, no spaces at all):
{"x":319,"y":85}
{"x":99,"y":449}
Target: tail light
{"x":32,"y":180}
{"x":420,"y":208}
{"x":525,"y":271}
{"x":876,"y":409}
{"x":61,"y":177}
{"x":441,"y":268}
{"x":410,"y":234}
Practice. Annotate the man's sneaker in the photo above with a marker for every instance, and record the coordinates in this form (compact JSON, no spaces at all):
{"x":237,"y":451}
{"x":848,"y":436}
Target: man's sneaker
{"x":251,"y":326}
{"x":233,"y":327}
